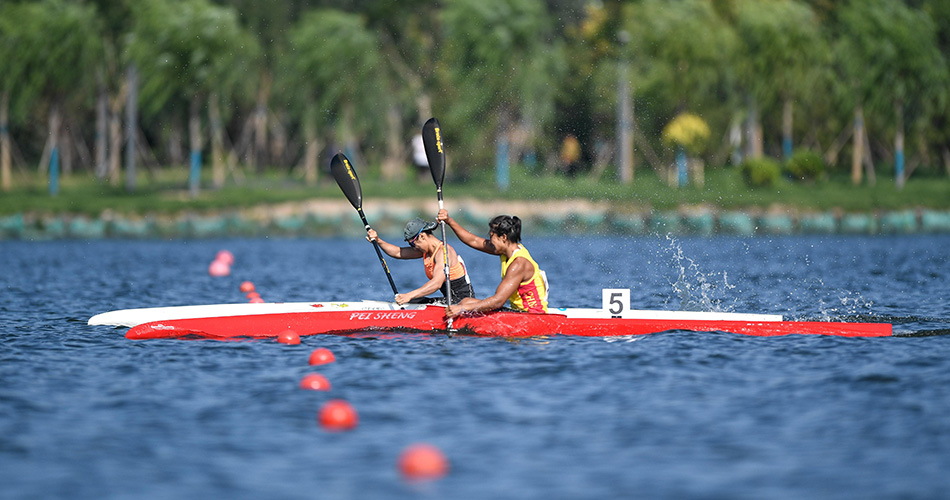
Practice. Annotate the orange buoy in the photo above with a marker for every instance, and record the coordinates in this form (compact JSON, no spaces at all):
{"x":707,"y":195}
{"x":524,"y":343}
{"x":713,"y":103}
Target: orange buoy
{"x":253,"y":295}
{"x":338,"y":415}
{"x":315,"y":382}
{"x":321,"y":356}
{"x":247,"y":287}
{"x":289,"y":337}
{"x":219,"y":268}
{"x":225,"y":256}
{"x":423,"y":461}
{"x":256,"y":300}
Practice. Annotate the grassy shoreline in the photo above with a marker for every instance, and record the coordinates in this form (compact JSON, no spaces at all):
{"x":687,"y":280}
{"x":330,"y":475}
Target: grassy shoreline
{"x":164,"y":192}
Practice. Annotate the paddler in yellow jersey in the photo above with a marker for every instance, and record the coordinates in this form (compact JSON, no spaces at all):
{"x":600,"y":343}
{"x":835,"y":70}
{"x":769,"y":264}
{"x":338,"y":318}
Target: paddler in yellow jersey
{"x":423,"y":245}
{"x":523,"y":284}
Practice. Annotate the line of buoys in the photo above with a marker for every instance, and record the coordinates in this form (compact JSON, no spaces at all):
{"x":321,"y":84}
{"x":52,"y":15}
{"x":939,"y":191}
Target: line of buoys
{"x":250,"y":292}
{"x":315,"y":382}
{"x":288,"y":337}
{"x":422,"y":461}
{"x":416,"y":462}
{"x":338,"y":415}
{"x":221,"y":265}
{"x":321,"y":356}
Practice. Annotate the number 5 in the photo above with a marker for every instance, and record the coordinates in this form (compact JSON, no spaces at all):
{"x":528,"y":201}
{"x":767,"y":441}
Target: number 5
{"x":616,"y":301}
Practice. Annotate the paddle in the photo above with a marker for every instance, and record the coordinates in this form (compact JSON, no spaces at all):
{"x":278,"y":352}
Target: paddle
{"x":435,"y":154}
{"x":350,"y":184}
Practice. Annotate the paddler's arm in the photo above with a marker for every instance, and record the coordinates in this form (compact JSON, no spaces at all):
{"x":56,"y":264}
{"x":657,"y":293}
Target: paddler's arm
{"x":509,"y":285}
{"x":430,"y":286}
{"x":466,"y":236}
{"x":392,"y":250}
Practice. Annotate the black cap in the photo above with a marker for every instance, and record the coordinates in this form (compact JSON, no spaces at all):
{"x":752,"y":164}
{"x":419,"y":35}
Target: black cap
{"x":416,"y":226}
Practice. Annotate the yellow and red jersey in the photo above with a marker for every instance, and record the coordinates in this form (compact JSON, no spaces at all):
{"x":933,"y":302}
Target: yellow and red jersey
{"x":532,"y":295}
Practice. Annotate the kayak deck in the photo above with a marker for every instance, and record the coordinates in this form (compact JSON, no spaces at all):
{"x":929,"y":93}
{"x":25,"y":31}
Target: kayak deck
{"x":269,"y":320}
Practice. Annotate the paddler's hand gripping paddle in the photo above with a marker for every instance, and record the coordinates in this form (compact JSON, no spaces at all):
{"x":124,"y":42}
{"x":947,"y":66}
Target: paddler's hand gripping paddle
{"x":435,"y":154}
{"x":345,"y":176}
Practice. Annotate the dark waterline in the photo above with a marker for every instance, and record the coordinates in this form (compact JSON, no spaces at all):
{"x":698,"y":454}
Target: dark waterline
{"x":86,"y":413}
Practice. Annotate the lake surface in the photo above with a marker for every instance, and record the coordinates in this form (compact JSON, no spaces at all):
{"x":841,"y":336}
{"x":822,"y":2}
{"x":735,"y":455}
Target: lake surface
{"x":87,"y":413}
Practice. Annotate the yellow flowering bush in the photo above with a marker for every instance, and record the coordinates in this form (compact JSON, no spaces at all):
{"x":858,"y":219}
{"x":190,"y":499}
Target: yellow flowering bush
{"x":687,"y":131}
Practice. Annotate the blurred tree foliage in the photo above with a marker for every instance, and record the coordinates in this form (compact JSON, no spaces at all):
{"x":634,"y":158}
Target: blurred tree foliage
{"x":301,"y":79}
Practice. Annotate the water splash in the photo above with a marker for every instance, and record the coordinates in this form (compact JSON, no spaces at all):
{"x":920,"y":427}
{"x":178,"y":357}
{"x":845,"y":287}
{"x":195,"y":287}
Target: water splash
{"x":698,"y":290}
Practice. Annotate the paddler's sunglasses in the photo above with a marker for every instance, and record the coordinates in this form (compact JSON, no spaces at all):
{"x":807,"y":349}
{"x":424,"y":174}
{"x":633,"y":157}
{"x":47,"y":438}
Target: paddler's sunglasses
{"x":412,"y":242}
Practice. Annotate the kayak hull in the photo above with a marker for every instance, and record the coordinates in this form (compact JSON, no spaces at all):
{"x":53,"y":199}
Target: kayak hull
{"x":342,"y":318}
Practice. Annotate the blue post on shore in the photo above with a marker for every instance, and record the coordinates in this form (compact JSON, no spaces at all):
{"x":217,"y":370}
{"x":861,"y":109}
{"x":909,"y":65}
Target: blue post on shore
{"x":681,"y":167}
{"x":501,"y":164}
{"x":899,"y":168}
{"x":194,"y":177}
{"x":54,"y":172}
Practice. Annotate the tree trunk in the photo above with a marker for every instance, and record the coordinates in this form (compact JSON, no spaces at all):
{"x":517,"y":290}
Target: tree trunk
{"x":395,"y":151}
{"x":259,"y":156}
{"x":857,"y":154}
{"x":753,"y":130}
{"x":102,"y":128}
{"x":278,"y":145}
{"x":194,"y":137}
{"x":176,"y":150}
{"x":787,"y":121}
{"x":6,"y":181}
{"x":312,"y":152}
{"x":217,"y":142}
{"x":624,"y":127}
{"x":869,"y":160}
{"x":424,"y":105}
{"x":131,"y":125}
{"x":899,"y":145}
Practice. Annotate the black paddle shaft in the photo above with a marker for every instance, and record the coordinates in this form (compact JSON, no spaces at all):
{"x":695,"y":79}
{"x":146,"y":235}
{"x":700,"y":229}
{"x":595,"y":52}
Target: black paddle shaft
{"x":346,"y":178}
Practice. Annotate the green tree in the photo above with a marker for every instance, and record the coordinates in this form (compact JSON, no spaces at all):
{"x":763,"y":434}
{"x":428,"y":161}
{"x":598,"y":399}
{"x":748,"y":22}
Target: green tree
{"x":682,"y":54}
{"x":330,"y":75}
{"x":782,"y":60}
{"x":888,"y":55}
{"x":191,"y":49}
{"x":504,"y":67}
{"x":57,"y":43}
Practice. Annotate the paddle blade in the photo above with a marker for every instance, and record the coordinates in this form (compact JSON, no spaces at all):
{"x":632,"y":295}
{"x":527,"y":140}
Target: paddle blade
{"x":432,"y":140}
{"x":346,"y":178}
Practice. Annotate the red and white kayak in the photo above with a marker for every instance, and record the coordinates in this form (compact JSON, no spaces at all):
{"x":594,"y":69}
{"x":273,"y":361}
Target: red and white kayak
{"x":311,"y":318}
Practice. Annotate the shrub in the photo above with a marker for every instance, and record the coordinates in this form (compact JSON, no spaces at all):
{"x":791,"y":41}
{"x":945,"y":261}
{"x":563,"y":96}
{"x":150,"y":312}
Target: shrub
{"x":687,"y":131}
{"x":806,"y":165}
{"x":760,"y":172}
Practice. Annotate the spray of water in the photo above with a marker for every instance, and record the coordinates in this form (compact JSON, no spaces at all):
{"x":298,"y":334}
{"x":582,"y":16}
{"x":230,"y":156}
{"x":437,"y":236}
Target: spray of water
{"x":698,"y":290}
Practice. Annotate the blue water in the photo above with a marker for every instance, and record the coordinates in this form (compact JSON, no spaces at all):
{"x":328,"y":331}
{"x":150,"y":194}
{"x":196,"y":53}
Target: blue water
{"x":86,"y":413}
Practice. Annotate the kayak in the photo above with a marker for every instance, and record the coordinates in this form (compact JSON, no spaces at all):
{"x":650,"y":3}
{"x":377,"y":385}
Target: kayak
{"x":312,"y":318}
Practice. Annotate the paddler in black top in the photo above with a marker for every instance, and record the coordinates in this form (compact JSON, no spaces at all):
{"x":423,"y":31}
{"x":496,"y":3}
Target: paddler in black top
{"x":423,"y":245}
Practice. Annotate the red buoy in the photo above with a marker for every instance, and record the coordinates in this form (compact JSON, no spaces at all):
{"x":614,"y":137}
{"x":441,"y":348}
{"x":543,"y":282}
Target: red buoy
{"x":315,"y":382}
{"x":252,"y":295}
{"x":225,"y":256}
{"x":256,"y":300}
{"x":321,"y":356}
{"x":289,"y":337}
{"x":247,"y":287}
{"x":422,"y":461}
{"x":219,"y":268}
{"x":338,"y":415}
